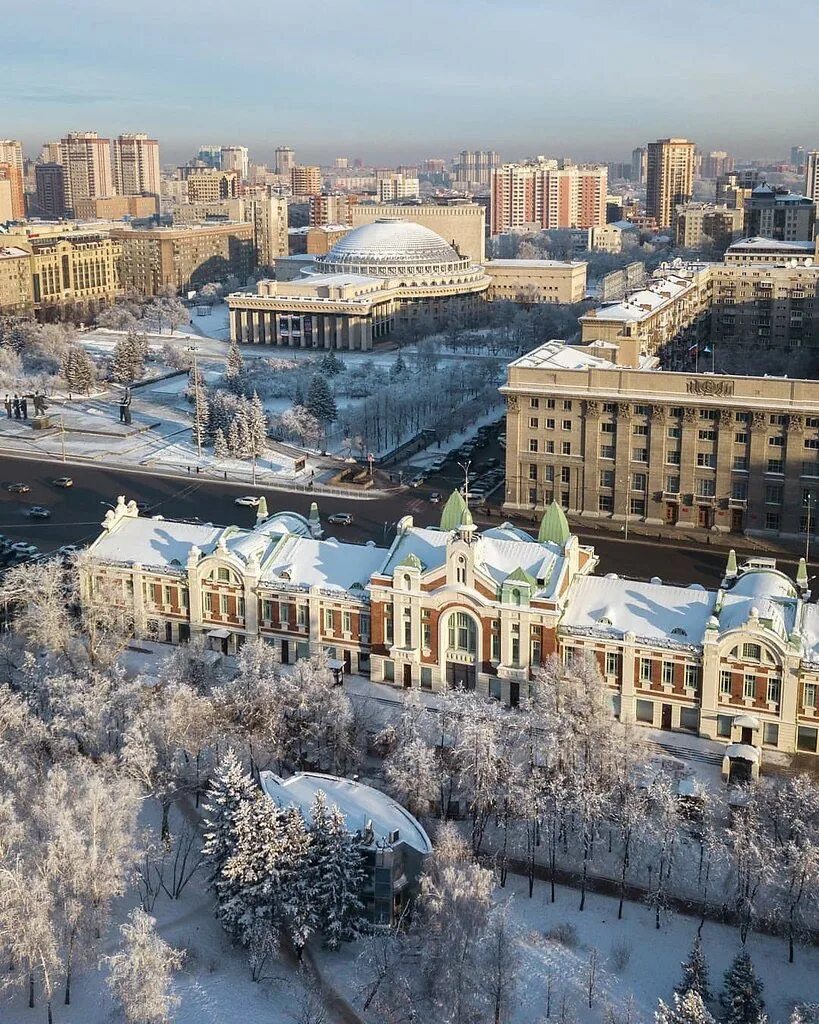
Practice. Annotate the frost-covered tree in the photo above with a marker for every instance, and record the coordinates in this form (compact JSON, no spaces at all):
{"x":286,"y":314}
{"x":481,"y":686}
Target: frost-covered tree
{"x":411,"y":774}
{"x":125,"y":360}
{"x":741,"y":999}
{"x":398,"y":368}
{"x":687,"y":1009}
{"x":331,"y":364}
{"x":302,"y":424}
{"x":229,"y":789}
{"x":234,"y":369}
{"x":141,"y":973}
{"x":501,"y":961}
{"x":752,"y":859}
{"x":320,"y":401}
{"x":256,"y":419}
{"x":695,"y":973}
{"x":337,"y":874}
{"x":78,"y":369}
{"x":220,"y":445}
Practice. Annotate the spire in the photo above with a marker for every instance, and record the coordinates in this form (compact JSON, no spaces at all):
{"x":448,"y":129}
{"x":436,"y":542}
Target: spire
{"x":314,"y":521}
{"x":466,"y":527}
{"x":452,"y":514}
{"x":261,"y":510}
{"x":554,"y":526}
{"x":731,"y":565}
{"x":802,"y":575}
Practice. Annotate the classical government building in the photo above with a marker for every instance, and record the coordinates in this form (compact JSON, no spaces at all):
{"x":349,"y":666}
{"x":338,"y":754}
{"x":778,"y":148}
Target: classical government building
{"x":381,"y":275}
{"x":454,"y":607}
{"x":605,"y":433}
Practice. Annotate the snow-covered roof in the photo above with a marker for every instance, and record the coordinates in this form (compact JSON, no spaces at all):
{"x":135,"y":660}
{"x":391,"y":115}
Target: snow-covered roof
{"x":499,"y":558}
{"x":646,"y":301}
{"x":361,"y":806}
{"x":653,"y":611}
{"x":155,"y":542}
{"x":773,"y":244}
{"x":322,"y":563}
{"x":523,"y":264}
{"x":390,"y":243}
{"x":556,"y":354}
{"x":766,"y":593}
{"x":12,"y":252}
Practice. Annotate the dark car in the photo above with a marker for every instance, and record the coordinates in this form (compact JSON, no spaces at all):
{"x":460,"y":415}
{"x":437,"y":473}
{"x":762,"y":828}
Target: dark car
{"x":18,"y":488}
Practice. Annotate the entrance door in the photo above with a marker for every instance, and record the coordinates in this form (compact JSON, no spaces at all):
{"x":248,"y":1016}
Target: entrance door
{"x":672,"y":513}
{"x":407,"y":676}
{"x":348,"y":664}
{"x":460,"y":677}
{"x":739,"y":772}
{"x":666,"y":717}
{"x":737,"y":520}
{"x":705,"y":517}
{"x":285,"y":652}
{"x":184,"y":633}
{"x":747,"y":736}
{"x":514,"y":694}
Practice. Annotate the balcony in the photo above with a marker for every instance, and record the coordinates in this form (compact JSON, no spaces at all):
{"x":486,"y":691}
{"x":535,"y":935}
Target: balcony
{"x":513,"y":673}
{"x":671,"y":495}
{"x":737,"y":503}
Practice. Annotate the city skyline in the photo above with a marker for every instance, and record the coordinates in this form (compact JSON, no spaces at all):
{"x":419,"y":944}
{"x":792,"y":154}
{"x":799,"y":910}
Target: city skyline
{"x":400,"y":89}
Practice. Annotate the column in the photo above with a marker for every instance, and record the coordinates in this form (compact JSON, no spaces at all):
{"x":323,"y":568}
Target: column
{"x":794,"y":453}
{"x":622,"y":460}
{"x":757,"y":466}
{"x":234,"y":324}
{"x":140,"y":620}
{"x":655,"y":482}
{"x":688,"y":462}
{"x":589,"y":501}
{"x":725,"y":454}
{"x":628,"y":673}
{"x":709,"y":685}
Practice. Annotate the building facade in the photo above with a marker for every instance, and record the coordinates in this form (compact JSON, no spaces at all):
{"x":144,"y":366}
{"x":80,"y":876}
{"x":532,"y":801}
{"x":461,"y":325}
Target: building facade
{"x":461,"y":223}
{"x":669,"y":178}
{"x":622,"y":439}
{"x":234,"y":158}
{"x":779,"y":214}
{"x":78,"y":269}
{"x":86,"y":162}
{"x":536,"y":281}
{"x":812,"y":176}
{"x":116,"y":207}
{"x":211,"y":186}
{"x":285,"y":160}
{"x":305,"y":180}
{"x":456,"y":608}
{"x":540,"y":195}
{"x":15,"y":280}
{"x":11,"y":155}
{"x":475,"y":167}
{"x":186,"y":257}
{"x":136,"y":165}
{"x":268,"y":215}
{"x":694,"y":223}
{"x":50,"y":194}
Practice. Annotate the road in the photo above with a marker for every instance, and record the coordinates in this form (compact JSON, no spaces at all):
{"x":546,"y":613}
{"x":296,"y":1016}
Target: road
{"x":78,"y":511}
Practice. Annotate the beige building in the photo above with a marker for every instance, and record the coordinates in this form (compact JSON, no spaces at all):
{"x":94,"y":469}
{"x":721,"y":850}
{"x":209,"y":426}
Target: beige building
{"x":136,"y":165}
{"x":234,"y":158}
{"x":116,"y":207}
{"x":86,"y":161}
{"x":541,"y":195}
{"x":268,"y":215}
{"x":6,"y":194}
{"x":208,"y":185}
{"x":696,"y":222}
{"x":331,"y":208}
{"x":305,"y":180}
{"x":768,"y":250}
{"x":320,"y":240}
{"x":285,"y":160}
{"x":669,"y":178}
{"x":461,"y":223}
{"x":78,"y":269}
{"x":221,"y":209}
{"x":11,"y":154}
{"x":603,"y":432}
{"x":186,"y":257}
{"x":536,"y":281}
{"x":393,"y":186}
{"x":15,"y":280}
{"x":606,"y":238}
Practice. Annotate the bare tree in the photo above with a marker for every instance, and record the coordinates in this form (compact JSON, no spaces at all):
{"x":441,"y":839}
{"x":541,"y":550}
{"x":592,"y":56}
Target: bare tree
{"x":140,"y":974}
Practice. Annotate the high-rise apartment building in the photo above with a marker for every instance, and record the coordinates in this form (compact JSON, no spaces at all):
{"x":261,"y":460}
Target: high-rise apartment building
{"x":11,"y":154}
{"x":51,"y":153}
{"x":393,"y":185}
{"x":50,"y":190}
{"x":734,"y":187}
{"x":540,"y":195}
{"x":268,"y":215}
{"x":812,"y":176}
{"x":136,"y":165}
{"x":305,"y":180}
{"x":475,"y":166}
{"x":86,"y":160}
{"x":694,"y":223}
{"x":717,"y":163}
{"x":330,"y":208}
{"x":639,"y":161}
{"x":285,"y":160}
{"x":210,"y":156}
{"x":234,"y":158}
{"x":669,"y":178}
{"x":779,"y":214}
{"x":6,"y":205}
{"x":797,"y":156}
{"x":206,"y":185}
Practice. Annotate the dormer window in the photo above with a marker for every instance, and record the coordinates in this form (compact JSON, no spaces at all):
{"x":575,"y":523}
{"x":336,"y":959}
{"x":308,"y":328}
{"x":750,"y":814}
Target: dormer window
{"x":407,"y":581}
{"x":223,"y":575}
{"x":285,"y":575}
{"x":605,"y":621}
{"x":751,"y":652}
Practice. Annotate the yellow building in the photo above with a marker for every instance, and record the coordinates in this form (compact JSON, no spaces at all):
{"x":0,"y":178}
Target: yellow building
{"x":669,"y":178}
{"x":205,"y":185}
{"x":116,"y":207}
{"x":76,"y":269}
{"x":536,"y":281}
{"x":15,"y":279}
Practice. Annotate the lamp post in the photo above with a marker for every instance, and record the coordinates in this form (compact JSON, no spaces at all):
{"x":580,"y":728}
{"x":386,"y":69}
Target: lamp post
{"x":809,"y":504}
{"x":465,"y":467}
{"x":62,"y":434}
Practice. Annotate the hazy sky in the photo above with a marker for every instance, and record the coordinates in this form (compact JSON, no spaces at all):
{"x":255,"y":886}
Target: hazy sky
{"x":394,"y":82}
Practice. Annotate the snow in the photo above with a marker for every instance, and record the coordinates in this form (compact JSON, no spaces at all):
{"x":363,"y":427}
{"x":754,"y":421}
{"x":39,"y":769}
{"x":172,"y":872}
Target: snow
{"x":560,"y":356}
{"x":154,"y":542}
{"x":358,"y":803}
{"x":771,"y":594}
{"x":649,"y":610}
{"x":426,"y":544}
{"x":324,"y":563}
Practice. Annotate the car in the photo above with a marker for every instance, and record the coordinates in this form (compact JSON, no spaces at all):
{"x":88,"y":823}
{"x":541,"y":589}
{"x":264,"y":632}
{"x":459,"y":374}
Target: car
{"x":63,"y":481}
{"x":417,"y":480}
{"x":250,"y":500}
{"x":477,"y":497}
{"x":39,"y":512}
{"x":22,"y":548}
{"x":67,"y":550}
{"x":19,"y":488}
{"x":435,"y":497}
{"x":142,"y":506}
{"x":340,"y":519}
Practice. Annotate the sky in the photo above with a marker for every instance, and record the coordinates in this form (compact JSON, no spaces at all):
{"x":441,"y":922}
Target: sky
{"x":397,"y":82}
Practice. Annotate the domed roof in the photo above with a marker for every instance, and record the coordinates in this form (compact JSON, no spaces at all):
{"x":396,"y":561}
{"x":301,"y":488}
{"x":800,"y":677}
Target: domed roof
{"x":390,"y":242}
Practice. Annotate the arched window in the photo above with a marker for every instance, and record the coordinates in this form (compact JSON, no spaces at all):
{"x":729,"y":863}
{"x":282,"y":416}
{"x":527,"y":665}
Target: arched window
{"x":514,"y":596}
{"x":463,"y":633}
{"x":407,"y":581}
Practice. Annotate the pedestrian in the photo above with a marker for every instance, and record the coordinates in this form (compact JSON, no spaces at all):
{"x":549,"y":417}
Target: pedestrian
{"x":188,"y":468}
{"x":197,"y":469}
{"x":16,"y":406}
{"x":24,"y":407}
{"x":8,"y":407}
{"x":225,"y":474}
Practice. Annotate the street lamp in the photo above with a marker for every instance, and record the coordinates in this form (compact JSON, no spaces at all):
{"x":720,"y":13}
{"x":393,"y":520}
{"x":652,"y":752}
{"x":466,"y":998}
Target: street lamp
{"x":809,"y":504}
{"x":465,"y":467}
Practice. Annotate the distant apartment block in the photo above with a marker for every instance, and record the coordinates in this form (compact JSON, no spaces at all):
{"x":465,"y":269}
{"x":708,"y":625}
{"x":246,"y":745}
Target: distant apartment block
{"x":695,"y":223}
{"x":331,"y":208}
{"x":393,"y":186}
{"x":11,"y":163}
{"x":541,"y":195}
{"x":15,"y":280}
{"x":305,"y":180}
{"x":285,"y":160}
{"x":50,"y":190}
{"x":812,"y":176}
{"x":475,"y":166}
{"x":234,"y":158}
{"x":536,"y":281}
{"x":204,"y":185}
{"x":779,"y":214}
{"x":116,"y":207}
{"x":86,"y":161}
{"x":136,"y":165}
{"x":669,"y":178}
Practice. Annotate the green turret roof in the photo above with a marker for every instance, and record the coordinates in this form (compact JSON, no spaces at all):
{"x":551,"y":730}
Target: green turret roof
{"x":554,"y":526}
{"x":452,"y":514}
{"x":412,"y":561}
{"x":802,"y":574}
{"x":522,"y":576}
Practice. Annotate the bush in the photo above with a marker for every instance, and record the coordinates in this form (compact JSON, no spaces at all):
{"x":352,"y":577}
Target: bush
{"x":620,"y":956}
{"x":564,"y":933}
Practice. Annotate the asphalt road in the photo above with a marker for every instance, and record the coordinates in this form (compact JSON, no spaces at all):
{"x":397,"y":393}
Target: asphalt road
{"x":77,"y":513}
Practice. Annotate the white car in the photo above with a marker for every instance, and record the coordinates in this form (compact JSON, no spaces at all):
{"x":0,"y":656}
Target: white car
{"x":22,"y":548}
{"x":248,"y":499}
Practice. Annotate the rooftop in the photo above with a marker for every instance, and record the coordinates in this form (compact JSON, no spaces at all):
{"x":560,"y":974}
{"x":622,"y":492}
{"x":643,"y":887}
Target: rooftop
{"x":390,"y":242}
{"x":556,"y":354}
{"x":523,"y":264}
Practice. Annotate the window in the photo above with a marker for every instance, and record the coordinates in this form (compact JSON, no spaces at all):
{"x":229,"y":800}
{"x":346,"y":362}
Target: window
{"x":751,"y":652}
{"x":673,"y":432}
{"x":724,"y":723}
{"x":645,"y":670}
{"x":533,"y":421}
{"x":644,"y":711}
{"x":812,"y":421}
{"x":328,"y":619}
{"x":166,"y":595}
{"x":705,"y":488}
{"x":690,"y":719}
{"x":739,"y":489}
{"x":707,"y":435}
{"x":612,"y":407}
{"x":550,"y":424}
{"x":739,"y":463}
{"x":778,"y":420}
{"x":536,"y":654}
{"x":749,"y":687}
{"x":515,"y":645}
{"x":550,"y":447}
{"x":770,"y":734}
{"x":809,"y":695}
{"x":240,"y":607}
{"x":567,"y":424}
{"x":534,"y":403}
{"x":668,"y":672}
{"x":742,"y":417}
{"x":208,"y":600}
{"x":223,"y":604}
{"x":774,"y":466}
{"x":565,"y":447}
{"x":549,"y":474}
{"x":707,"y":460}
{"x":532,"y":444}
{"x":692,"y":676}
{"x":638,"y":482}
{"x":463,"y":634}
{"x":302,"y":615}
{"x":426,"y":629}
{"x":460,"y":570}
{"x":567,"y":405}
{"x":606,"y":451}
{"x":550,"y":403}
{"x":605,"y":503}
{"x":725,"y":683}
{"x":641,"y":410}
{"x":774,"y":690}
{"x":408,"y":627}
{"x":496,"y":642}
{"x":673,"y":457}
{"x":607,"y":478}
{"x":637,"y":507}
{"x":639,"y":454}
{"x":672,"y":484}
{"x":709,"y":414}
{"x":676,"y":410}
{"x":741,"y":438}
{"x":806,"y":739}
{"x":812,"y":442}
{"x":533,"y":471}
{"x":388,"y":630}
{"x":771,"y":520}
{"x":389,"y":671}
{"x":777,"y":442}
{"x":640,"y":430}
{"x":184,"y":596}
{"x":284,"y":614}
{"x":608,"y":428}
{"x":223,"y":575}
{"x":612,"y":663}
{"x":347,"y":622}
{"x":364,"y":626}
{"x":565,"y":475}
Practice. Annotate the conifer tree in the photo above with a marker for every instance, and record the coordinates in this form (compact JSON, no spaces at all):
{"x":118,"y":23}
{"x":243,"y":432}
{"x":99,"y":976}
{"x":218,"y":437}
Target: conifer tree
{"x":257,"y":425}
{"x":78,"y":369}
{"x":220,"y":445}
{"x":234,"y":439}
{"x":124,"y":360}
{"x":234,"y":369}
{"x":687,"y":1009}
{"x":742,"y":996}
{"x":398,"y":368}
{"x":230,"y":788}
{"x":320,"y":402}
{"x":337,"y":874}
{"x":695,"y":973}
{"x":331,"y":364}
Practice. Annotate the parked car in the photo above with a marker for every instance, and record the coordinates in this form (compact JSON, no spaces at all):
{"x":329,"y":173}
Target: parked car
{"x":435,"y":497}
{"x":417,"y":480}
{"x":23,"y":548}
{"x":340,"y":519}
{"x":67,"y":550}
{"x":248,"y":499}
{"x":477,"y":497}
{"x":63,"y":481}
{"x":39,"y":512}
{"x":19,"y":488}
